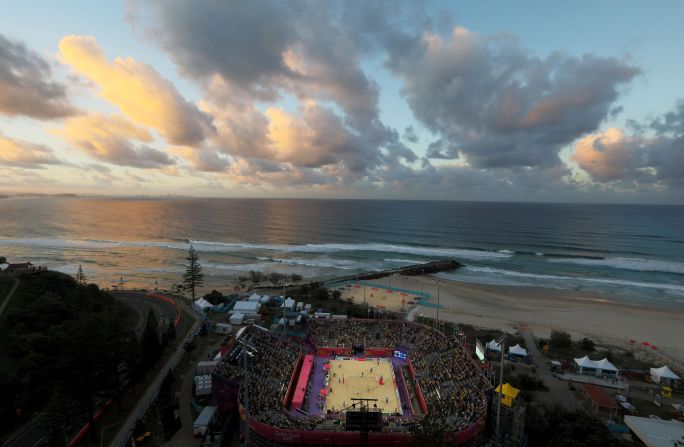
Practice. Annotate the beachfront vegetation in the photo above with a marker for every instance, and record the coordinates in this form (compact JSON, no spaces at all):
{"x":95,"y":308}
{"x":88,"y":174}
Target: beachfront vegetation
{"x":193,"y":277}
{"x":214,"y":297}
{"x":560,"y":339}
{"x":69,"y":348}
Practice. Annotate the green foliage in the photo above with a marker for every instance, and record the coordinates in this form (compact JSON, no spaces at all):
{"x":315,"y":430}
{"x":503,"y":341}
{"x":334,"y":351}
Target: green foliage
{"x":320,"y":294}
{"x":150,"y":345}
{"x":68,"y":339}
{"x":215,"y":297}
{"x":336,"y":294}
{"x":193,"y":277}
{"x":555,"y":425}
{"x":560,"y":339}
{"x":587,"y":344}
{"x":167,"y":403}
{"x":3,"y":260}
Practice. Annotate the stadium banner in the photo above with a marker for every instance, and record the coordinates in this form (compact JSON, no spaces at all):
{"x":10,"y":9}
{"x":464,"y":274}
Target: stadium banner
{"x":421,"y":400}
{"x":404,"y":390}
{"x":295,"y":373}
{"x":378,"y":352}
{"x":334,"y":351}
{"x":410,"y":367}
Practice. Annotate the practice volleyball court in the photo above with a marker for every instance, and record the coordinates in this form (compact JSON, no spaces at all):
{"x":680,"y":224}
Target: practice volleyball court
{"x":362,"y":377}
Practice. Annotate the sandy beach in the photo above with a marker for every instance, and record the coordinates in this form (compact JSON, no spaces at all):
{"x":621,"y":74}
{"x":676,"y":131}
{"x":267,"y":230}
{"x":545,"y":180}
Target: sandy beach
{"x":543,"y":309}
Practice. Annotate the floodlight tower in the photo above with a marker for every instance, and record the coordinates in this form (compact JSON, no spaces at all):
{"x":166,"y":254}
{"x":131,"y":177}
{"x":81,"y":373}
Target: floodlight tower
{"x":248,"y":350}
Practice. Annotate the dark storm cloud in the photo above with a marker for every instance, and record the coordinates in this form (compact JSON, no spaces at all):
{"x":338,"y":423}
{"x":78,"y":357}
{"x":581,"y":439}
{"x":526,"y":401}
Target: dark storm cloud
{"x":26,"y":85}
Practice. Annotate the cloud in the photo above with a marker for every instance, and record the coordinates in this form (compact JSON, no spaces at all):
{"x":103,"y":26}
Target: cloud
{"x":493,"y":103}
{"x":107,"y":138}
{"x":639,"y":159}
{"x":202,"y":159}
{"x":139,"y":91}
{"x":22,"y":154}
{"x":26,"y":84}
{"x":608,"y":155}
{"x":258,"y":51}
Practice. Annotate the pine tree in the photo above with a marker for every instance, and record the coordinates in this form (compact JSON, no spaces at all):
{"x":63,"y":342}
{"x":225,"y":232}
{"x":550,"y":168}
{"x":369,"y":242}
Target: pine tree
{"x":193,"y":277}
{"x":150,"y":345}
{"x":80,"y":276}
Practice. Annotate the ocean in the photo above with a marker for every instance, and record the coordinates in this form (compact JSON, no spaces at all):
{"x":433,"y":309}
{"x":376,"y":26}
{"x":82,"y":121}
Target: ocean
{"x":634,"y":253}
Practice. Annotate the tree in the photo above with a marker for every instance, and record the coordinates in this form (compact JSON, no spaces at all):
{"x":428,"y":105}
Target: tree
{"x":321,"y":294}
{"x":214,"y":297}
{"x":80,"y":276}
{"x":149,"y":344}
{"x":193,"y":277}
{"x":336,"y":294}
{"x":3,"y":260}
{"x":560,"y":339}
{"x":587,"y":344}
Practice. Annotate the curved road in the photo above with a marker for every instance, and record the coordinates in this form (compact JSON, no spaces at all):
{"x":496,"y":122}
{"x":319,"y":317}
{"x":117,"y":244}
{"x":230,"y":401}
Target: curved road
{"x":141,"y":303}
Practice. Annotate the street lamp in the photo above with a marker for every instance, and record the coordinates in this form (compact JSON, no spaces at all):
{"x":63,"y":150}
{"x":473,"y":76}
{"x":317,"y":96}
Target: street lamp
{"x":439,"y":286}
{"x":502,"y":343}
{"x":248,"y":350}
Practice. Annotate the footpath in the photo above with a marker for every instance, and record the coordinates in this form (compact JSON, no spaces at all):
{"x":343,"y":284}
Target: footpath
{"x":558,"y":389}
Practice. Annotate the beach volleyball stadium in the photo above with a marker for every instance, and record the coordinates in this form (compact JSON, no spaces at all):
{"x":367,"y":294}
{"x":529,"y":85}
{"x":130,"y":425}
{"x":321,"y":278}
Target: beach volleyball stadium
{"x":351,"y":382}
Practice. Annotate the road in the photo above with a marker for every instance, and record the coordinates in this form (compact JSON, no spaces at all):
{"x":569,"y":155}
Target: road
{"x":8,"y":297}
{"x":142,"y":304}
{"x":558,"y":389}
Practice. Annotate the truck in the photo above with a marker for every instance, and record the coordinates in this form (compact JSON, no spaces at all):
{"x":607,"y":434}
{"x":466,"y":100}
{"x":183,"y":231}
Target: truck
{"x":204,"y":421}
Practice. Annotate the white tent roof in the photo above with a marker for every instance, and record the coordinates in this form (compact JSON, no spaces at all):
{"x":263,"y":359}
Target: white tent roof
{"x":494,"y":346}
{"x":202,"y":303}
{"x":605,"y":365}
{"x":246,"y":306}
{"x":664,"y":373}
{"x":586,"y":362}
{"x":254,"y":297}
{"x":289,"y":302}
{"x":517,"y":350}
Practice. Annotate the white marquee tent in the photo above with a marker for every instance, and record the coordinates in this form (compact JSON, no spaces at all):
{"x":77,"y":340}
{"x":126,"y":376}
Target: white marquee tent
{"x":202,"y":305}
{"x":517,"y":350}
{"x":255,"y":297}
{"x":289,"y":304}
{"x":598,"y":366}
{"x":494,"y":346}
{"x":663,"y":374}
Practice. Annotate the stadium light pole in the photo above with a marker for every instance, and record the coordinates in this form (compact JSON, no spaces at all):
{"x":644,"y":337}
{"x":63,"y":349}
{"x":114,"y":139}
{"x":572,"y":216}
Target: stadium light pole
{"x":498,"y":407}
{"x":248,"y":351}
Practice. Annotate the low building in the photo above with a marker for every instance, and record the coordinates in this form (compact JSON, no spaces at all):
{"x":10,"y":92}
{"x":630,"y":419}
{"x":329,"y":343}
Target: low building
{"x":656,"y":432}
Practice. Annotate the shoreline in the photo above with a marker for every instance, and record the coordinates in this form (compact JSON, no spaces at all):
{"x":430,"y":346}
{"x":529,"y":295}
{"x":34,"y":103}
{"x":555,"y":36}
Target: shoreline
{"x":581,"y":314}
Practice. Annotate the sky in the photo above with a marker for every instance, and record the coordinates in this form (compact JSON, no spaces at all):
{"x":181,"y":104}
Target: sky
{"x":523,"y":101}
